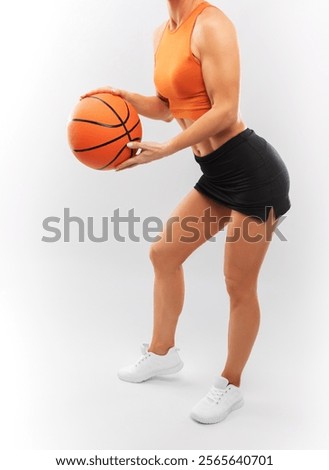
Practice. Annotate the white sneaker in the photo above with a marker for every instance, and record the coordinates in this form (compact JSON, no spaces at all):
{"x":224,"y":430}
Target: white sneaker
{"x":151,"y":364}
{"x":218,"y":403}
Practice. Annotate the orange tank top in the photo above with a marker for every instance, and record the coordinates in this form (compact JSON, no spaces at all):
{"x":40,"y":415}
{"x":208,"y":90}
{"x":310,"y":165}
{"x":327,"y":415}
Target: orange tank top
{"x":177,"y":72}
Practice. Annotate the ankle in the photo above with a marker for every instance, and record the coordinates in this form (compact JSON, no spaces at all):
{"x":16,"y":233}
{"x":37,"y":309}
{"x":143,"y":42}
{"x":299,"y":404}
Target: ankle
{"x":160,"y":349}
{"x":233,"y":380}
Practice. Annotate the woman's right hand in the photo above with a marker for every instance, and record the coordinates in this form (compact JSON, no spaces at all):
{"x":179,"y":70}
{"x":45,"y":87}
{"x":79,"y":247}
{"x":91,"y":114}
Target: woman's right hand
{"x":106,"y":89}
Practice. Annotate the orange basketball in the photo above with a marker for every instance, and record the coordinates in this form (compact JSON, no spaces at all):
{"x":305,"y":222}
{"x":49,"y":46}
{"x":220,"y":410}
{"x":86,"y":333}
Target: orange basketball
{"x":99,"y":129}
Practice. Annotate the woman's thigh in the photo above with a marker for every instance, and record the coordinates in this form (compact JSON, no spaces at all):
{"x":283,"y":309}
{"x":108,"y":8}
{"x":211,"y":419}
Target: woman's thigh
{"x":194,"y":220}
{"x":247,"y":241}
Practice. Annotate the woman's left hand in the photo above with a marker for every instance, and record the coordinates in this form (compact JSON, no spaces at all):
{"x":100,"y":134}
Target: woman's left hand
{"x":149,"y":151}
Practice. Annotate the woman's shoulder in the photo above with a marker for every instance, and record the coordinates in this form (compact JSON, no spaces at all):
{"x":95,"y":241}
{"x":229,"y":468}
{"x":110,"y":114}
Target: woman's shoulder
{"x":213,"y":20}
{"x":157,"y":34}
{"x":213,"y":16}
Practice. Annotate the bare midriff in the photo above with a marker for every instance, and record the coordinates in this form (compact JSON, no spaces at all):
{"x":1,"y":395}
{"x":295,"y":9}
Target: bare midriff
{"x":212,"y":143}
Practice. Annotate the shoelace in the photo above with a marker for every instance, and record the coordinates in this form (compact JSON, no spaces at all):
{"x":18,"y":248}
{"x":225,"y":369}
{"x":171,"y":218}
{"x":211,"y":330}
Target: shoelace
{"x":144,"y":356}
{"x":215,"y":393}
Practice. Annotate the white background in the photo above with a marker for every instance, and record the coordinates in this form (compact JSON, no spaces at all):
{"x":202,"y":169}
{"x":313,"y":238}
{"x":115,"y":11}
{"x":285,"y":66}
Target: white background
{"x":73,"y":313}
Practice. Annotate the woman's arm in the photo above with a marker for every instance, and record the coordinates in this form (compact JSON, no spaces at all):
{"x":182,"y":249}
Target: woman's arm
{"x":152,"y":107}
{"x":217,"y":44}
{"x":155,"y":107}
{"x":149,"y":106}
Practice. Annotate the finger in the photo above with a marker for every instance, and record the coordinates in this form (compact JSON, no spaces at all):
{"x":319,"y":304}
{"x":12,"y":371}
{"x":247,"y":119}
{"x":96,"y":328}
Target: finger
{"x":128,"y":163}
{"x":126,"y":167}
{"x":135,"y":145}
{"x":113,"y":91}
{"x":90,"y":93}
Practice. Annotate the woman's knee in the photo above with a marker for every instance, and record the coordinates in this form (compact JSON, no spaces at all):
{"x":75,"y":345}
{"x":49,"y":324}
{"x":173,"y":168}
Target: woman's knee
{"x":162,"y":257}
{"x":240,"y":287}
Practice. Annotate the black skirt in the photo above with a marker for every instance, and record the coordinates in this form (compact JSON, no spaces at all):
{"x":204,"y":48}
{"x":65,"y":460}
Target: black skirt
{"x":246,"y":174}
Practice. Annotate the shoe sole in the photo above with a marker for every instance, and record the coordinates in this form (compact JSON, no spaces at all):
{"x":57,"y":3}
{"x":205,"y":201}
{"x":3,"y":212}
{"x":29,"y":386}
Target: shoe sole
{"x":234,"y":407}
{"x":171,"y":370}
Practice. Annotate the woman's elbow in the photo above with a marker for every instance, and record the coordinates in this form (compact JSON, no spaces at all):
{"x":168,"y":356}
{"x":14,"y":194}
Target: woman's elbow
{"x":164,"y":113}
{"x":168,"y":118}
{"x":229,"y":113}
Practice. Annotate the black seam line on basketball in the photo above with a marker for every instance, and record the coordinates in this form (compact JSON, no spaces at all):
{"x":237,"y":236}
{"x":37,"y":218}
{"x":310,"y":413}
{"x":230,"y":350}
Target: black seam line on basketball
{"x":117,"y":155}
{"x":108,"y":142}
{"x":114,"y":111}
{"x":122,"y":122}
{"x":108,"y":164}
{"x":112,"y":126}
{"x":128,"y":116}
{"x":118,"y":116}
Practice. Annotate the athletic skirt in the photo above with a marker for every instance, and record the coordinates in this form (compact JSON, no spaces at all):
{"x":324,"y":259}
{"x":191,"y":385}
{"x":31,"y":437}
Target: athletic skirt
{"x":246,"y":174}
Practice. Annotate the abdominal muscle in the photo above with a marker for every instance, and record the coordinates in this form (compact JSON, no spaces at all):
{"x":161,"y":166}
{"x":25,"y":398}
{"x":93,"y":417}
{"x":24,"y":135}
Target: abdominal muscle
{"x":213,"y":143}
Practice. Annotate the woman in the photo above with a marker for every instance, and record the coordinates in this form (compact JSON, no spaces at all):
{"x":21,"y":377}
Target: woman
{"x":244,"y":187}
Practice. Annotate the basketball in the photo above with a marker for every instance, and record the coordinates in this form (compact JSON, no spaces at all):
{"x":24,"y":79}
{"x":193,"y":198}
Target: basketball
{"x":99,"y":129}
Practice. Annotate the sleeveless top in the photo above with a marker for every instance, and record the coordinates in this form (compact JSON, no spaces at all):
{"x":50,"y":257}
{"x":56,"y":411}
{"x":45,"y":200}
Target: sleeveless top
{"x":177,"y":72}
